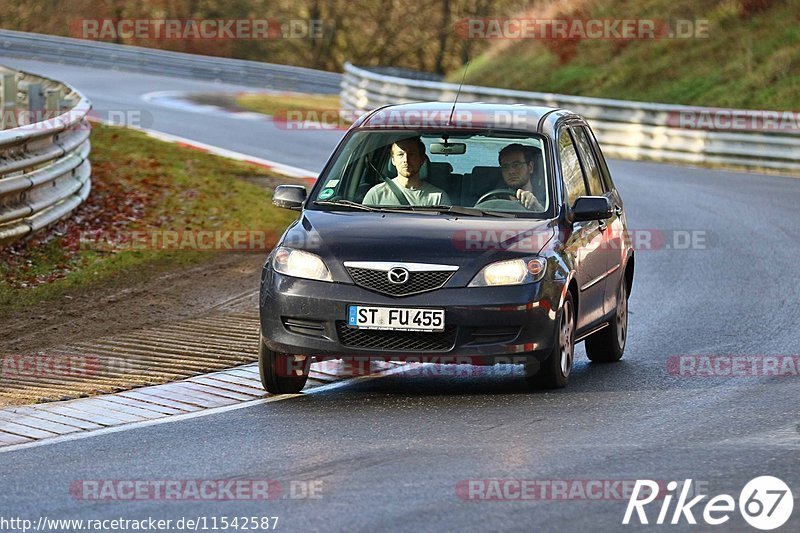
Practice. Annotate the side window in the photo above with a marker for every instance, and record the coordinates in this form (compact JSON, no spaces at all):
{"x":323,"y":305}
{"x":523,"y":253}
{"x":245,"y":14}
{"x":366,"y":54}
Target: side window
{"x":600,"y":159}
{"x":589,"y":161}
{"x":570,"y":168}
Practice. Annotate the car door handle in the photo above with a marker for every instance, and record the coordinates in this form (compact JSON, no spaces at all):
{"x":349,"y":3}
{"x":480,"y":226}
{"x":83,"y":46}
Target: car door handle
{"x":617,"y":210}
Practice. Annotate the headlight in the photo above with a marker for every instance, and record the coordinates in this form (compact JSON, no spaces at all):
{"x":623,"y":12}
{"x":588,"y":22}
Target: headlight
{"x":300,"y":264}
{"x":511,"y":272}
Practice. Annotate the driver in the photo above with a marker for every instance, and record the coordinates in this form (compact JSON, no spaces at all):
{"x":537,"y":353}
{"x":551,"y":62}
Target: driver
{"x":408,"y":155}
{"x":516,"y":164}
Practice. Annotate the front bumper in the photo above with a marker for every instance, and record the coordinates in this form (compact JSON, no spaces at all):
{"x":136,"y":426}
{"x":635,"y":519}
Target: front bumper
{"x":484,"y":324}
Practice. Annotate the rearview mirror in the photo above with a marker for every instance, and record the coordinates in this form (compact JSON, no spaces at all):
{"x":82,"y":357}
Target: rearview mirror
{"x":448,"y":148}
{"x":591,"y":208}
{"x":289,"y":196}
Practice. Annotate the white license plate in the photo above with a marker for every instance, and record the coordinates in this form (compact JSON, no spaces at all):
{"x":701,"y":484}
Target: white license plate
{"x":395,"y":318}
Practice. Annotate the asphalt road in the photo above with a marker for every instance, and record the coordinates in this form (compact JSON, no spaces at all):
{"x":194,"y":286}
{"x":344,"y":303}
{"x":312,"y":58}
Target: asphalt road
{"x":122,"y":94}
{"x":389,"y":452}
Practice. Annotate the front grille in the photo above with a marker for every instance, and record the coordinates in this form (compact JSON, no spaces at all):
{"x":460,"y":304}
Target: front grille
{"x":413,"y":341}
{"x":376,"y":280}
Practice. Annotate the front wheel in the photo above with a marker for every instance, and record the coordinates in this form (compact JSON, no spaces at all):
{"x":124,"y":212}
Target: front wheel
{"x":281,"y":373}
{"x":553,"y":373}
{"x":608,"y":344}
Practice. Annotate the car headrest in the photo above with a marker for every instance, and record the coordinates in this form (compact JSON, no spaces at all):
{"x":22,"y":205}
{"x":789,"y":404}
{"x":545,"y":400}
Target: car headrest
{"x":440,"y":170}
{"x":483,"y":179}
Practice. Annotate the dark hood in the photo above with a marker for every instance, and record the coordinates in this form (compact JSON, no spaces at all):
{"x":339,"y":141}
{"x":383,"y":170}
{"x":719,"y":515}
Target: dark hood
{"x":339,"y":236}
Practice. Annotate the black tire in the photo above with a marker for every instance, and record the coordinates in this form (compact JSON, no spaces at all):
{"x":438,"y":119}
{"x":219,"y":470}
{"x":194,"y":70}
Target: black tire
{"x":273,"y":367}
{"x":608,"y":344}
{"x":553,"y":372}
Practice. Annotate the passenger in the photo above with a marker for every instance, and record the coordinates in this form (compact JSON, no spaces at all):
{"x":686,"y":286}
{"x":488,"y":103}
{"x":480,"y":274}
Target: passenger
{"x":408,"y":156}
{"x":516,"y":164}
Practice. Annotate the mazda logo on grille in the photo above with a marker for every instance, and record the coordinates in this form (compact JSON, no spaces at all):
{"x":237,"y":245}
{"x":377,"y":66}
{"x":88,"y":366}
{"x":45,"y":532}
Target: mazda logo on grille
{"x":397,"y":275}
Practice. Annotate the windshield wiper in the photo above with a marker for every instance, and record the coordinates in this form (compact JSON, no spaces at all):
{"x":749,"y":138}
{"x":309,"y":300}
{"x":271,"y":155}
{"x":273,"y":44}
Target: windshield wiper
{"x":348,"y":203}
{"x":460,"y":210}
{"x":362,"y":207}
{"x":454,"y":209}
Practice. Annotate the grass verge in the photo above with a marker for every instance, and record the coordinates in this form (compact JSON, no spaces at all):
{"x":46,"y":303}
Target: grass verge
{"x":271,"y":104}
{"x":749,"y":57}
{"x":144,"y":192}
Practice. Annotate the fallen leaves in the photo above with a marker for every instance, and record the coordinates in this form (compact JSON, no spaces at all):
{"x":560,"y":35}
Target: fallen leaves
{"x":116,"y":203}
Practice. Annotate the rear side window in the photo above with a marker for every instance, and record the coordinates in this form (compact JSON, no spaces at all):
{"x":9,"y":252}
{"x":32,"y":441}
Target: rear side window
{"x":589,"y":161}
{"x":570,"y":168}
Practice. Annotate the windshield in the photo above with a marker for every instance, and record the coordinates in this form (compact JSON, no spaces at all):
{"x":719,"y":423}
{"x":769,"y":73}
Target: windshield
{"x":486,"y":172}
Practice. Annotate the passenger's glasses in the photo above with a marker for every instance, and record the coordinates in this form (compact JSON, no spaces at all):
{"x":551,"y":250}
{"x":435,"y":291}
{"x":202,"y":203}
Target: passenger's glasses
{"x":515,"y":165}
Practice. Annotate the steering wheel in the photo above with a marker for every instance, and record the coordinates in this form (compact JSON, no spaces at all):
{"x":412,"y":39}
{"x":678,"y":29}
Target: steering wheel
{"x":505,"y":194}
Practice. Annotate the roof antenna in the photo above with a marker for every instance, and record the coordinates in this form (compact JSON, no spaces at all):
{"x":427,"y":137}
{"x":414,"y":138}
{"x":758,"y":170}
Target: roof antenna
{"x":450,"y":120}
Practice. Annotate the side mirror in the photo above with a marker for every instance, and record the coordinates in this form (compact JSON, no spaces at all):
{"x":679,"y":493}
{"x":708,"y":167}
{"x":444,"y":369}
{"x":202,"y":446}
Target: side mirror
{"x":289,"y":196}
{"x":591,"y":208}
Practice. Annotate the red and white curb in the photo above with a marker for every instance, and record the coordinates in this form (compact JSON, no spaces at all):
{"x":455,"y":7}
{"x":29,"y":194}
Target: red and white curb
{"x":341,"y":119}
{"x":28,"y":425}
{"x":235,"y":388}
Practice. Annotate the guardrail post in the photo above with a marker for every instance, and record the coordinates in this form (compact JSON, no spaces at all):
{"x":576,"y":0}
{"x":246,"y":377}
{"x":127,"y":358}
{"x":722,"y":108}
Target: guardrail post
{"x":52,"y":101}
{"x":36,"y":101}
{"x":8,"y":100}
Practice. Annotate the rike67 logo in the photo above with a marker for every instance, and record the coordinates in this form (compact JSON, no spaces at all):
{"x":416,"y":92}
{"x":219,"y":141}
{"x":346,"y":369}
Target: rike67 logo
{"x":765,"y":503}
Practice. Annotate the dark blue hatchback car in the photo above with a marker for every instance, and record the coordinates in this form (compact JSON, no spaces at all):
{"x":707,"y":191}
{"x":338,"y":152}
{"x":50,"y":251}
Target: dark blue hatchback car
{"x":476,"y":233}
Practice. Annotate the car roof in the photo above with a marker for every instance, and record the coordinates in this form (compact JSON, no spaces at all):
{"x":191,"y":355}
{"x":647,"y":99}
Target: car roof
{"x":467,"y":115}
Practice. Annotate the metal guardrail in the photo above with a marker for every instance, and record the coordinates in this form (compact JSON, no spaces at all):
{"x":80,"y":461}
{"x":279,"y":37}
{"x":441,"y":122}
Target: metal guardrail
{"x":625,"y":129}
{"x":44,"y":165}
{"x":166,"y":63}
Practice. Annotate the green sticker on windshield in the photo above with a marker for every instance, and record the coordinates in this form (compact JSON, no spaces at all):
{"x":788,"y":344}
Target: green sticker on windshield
{"x":324,"y":194}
